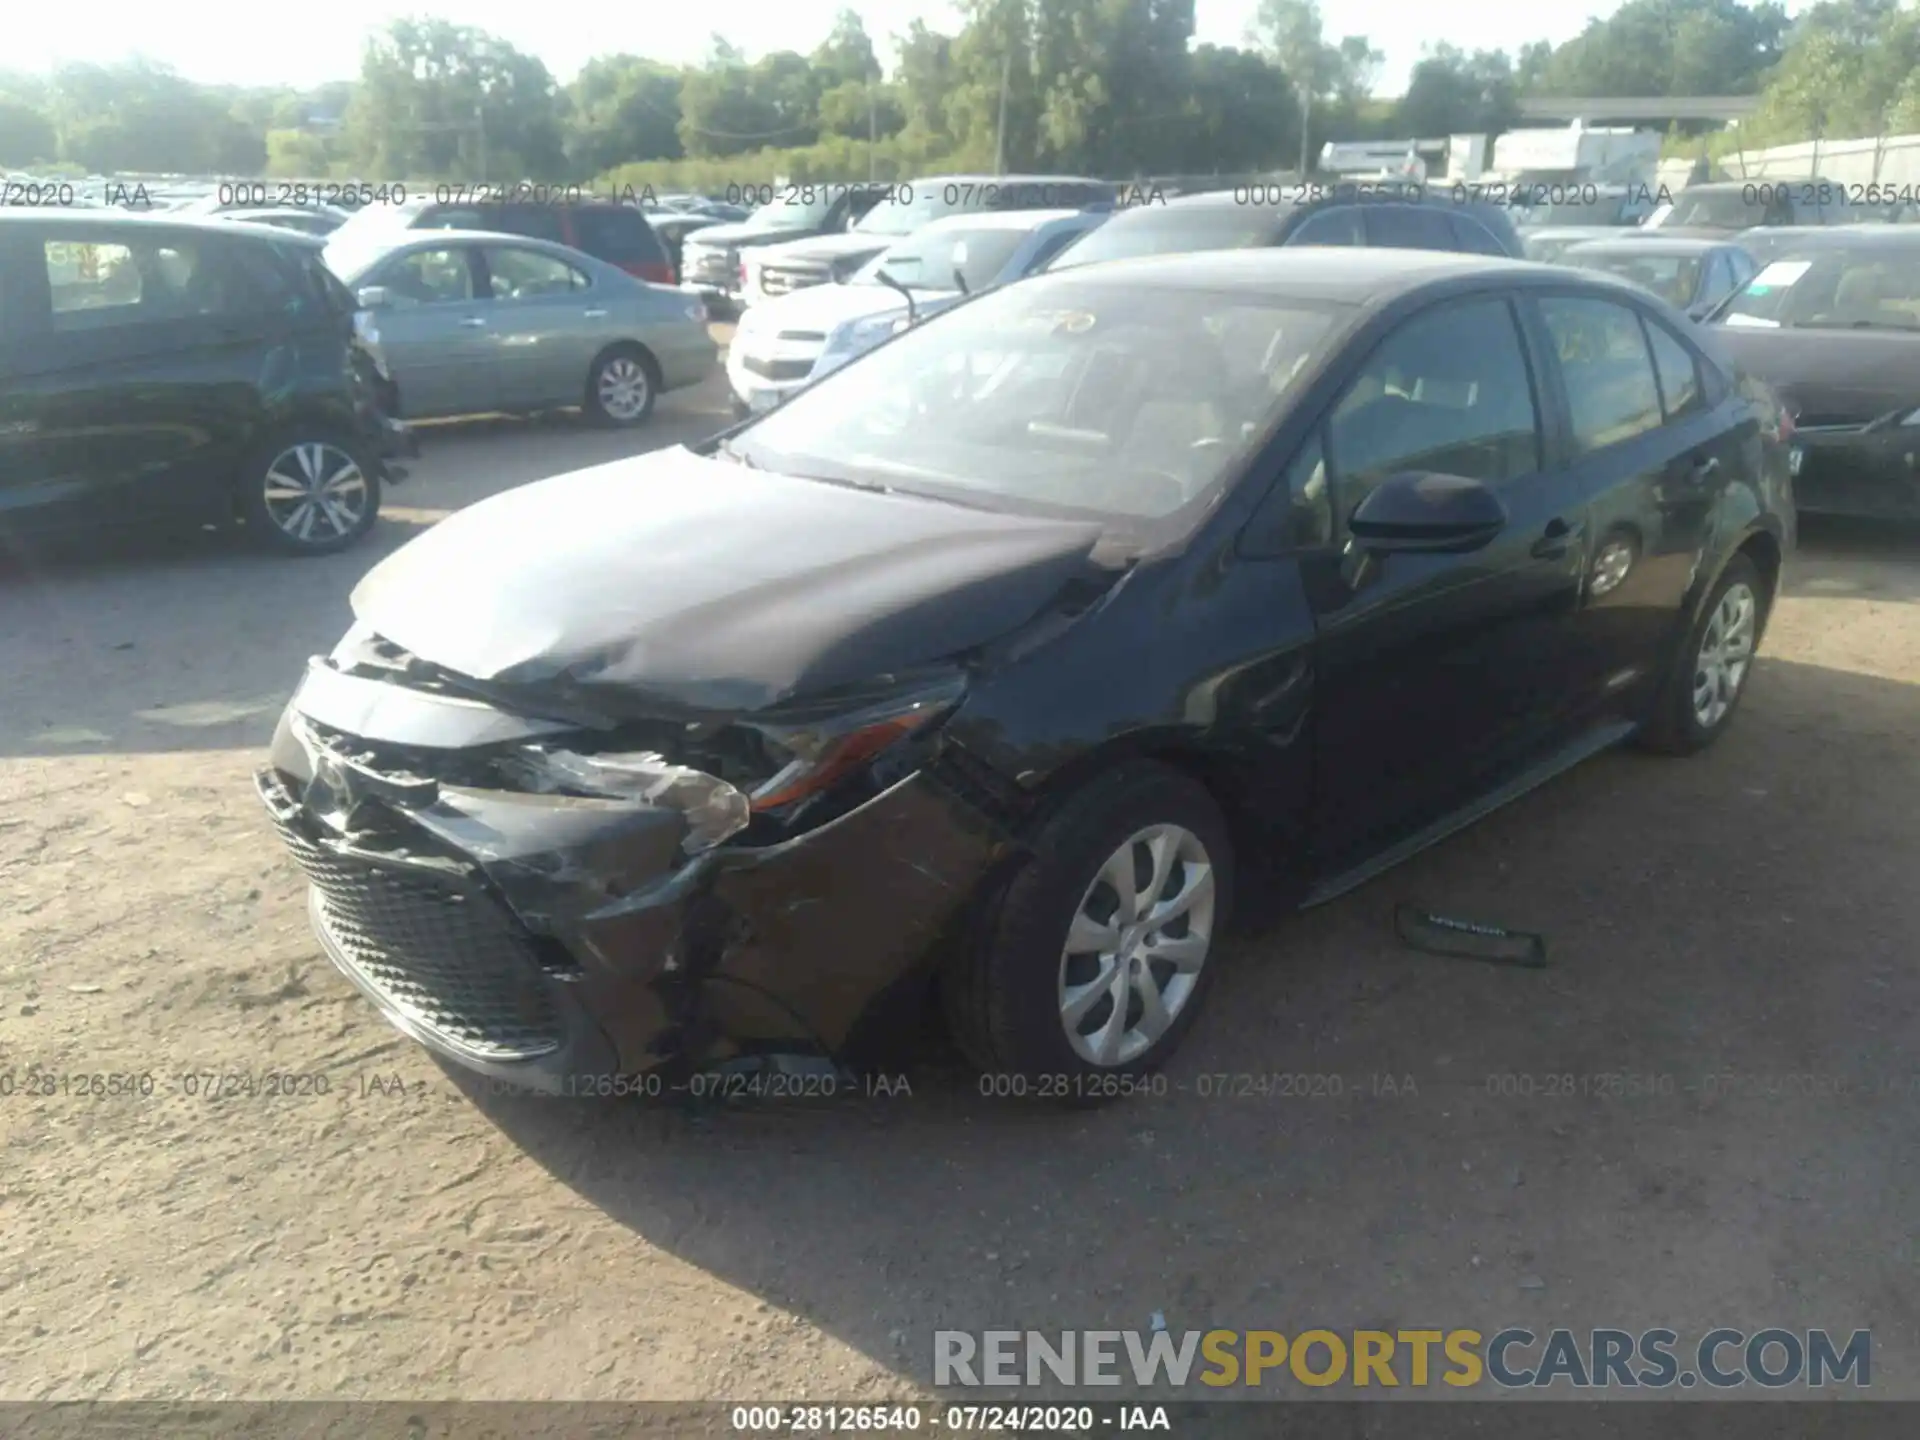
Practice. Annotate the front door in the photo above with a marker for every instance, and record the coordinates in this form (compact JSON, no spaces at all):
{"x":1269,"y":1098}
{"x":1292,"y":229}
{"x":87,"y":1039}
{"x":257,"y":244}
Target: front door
{"x":1439,"y":675}
{"x":436,"y":332}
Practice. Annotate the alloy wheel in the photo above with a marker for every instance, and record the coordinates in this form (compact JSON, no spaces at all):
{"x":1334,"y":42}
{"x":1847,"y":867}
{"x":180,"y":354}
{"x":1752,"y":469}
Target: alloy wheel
{"x":1726,"y":650}
{"x":315,"y":493}
{"x":623,"y":388}
{"x":1136,"y":945}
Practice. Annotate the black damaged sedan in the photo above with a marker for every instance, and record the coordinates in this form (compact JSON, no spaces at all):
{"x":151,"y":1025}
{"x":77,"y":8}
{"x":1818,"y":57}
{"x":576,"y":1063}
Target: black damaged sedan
{"x":988,"y":668}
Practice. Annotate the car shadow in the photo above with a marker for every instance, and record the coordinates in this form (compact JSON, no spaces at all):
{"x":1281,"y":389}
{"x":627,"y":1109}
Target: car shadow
{"x":1360,"y":1135}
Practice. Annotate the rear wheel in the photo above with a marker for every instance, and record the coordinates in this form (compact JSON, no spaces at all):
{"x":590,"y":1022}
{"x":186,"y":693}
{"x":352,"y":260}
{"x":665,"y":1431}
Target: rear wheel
{"x":622,"y":386}
{"x":1092,"y":961}
{"x":1695,"y":704}
{"x":309,"y":492}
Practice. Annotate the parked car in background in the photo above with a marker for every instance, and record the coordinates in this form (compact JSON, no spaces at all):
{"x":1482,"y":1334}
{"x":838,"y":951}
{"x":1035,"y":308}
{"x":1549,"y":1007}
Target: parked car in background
{"x":1609,"y":206}
{"x":1028,"y":642}
{"x":672,"y":227}
{"x":1726,"y":207}
{"x":157,"y":369}
{"x":776,"y":270}
{"x":1547,"y":243}
{"x":782,"y":344}
{"x":794,"y":212}
{"x":613,"y":233}
{"x":1394,"y":217}
{"x":1689,"y":274}
{"x":1834,"y":327}
{"x":468,"y":323}
{"x":316,"y":220}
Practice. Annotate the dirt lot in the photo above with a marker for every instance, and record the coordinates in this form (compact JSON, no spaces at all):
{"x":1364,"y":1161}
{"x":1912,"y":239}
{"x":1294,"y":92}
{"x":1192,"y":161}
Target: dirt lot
{"x":1738,"y":923}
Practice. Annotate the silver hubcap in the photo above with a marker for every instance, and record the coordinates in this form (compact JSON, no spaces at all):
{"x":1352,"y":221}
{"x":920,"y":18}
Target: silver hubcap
{"x":1725,"y":652}
{"x":623,"y":388}
{"x":315,"y":492}
{"x":1611,"y":565}
{"x":1136,"y":945}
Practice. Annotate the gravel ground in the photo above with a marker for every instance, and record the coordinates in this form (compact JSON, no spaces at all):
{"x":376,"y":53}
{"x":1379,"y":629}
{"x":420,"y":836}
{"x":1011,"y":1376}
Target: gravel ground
{"x":1730,"y":922}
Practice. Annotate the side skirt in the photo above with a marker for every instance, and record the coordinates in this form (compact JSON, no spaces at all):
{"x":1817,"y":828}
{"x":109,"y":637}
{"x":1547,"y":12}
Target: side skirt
{"x":1604,"y":737}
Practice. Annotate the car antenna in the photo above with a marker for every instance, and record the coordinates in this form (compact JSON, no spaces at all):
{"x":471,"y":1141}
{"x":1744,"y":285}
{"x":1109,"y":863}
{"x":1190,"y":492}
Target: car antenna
{"x":905,"y":294}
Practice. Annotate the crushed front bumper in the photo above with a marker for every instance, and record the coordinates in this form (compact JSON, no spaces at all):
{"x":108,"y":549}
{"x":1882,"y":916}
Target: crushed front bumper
{"x":543,"y":940}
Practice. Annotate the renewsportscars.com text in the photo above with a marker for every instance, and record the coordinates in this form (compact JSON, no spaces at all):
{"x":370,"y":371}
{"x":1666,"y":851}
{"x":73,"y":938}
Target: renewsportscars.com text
{"x":1513,"y":1358}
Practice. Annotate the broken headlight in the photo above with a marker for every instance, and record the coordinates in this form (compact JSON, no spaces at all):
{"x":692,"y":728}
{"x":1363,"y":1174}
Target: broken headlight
{"x":713,"y":809}
{"x":825,"y":751}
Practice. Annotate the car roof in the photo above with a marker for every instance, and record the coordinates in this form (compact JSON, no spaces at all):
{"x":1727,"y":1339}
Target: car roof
{"x":1350,"y":275}
{"x":999,"y":220}
{"x":1003,"y":180}
{"x":1894,"y":236}
{"x":418,"y":239}
{"x":1650,"y":243}
{"x":173,"y":220}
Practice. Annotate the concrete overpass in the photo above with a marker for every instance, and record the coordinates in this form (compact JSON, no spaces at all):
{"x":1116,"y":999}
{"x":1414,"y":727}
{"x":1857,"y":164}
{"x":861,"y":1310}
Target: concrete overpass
{"x":1599,"y":109}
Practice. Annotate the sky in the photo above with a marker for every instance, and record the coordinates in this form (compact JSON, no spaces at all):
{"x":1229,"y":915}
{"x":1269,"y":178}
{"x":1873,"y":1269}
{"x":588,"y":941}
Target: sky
{"x":242,"y":42}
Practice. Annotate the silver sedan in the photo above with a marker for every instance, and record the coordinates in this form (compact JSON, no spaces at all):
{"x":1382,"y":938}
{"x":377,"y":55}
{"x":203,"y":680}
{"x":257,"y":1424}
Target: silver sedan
{"x":466,"y":323}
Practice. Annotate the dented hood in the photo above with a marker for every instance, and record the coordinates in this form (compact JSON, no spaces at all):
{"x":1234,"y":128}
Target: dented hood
{"x":706,"y":584}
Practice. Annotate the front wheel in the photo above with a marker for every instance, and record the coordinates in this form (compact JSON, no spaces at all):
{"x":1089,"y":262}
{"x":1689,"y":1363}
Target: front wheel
{"x":1093,"y":958}
{"x":309,"y":493}
{"x":1696,"y":702}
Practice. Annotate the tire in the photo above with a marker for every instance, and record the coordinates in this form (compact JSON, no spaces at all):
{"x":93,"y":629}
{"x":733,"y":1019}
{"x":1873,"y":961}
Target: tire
{"x":622,"y":387}
{"x":280,"y":516}
{"x":1006,"y":991}
{"x":1682,"y":718}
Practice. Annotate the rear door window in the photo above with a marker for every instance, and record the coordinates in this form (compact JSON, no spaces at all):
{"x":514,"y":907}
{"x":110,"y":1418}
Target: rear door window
{"x":1408,"y":227}
{"x":517,"y":274}
{"x":617,"y":234}
{"x":1679,"y":372}
{"x":1612,"y":394}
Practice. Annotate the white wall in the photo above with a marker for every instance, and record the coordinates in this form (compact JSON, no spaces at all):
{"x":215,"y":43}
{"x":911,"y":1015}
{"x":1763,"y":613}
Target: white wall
{"x":1845,"y":162}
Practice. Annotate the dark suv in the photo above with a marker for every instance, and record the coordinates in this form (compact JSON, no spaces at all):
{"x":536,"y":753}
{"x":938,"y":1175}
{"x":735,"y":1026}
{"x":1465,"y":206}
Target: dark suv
{"x":1388,"y":215}
{"x":616,"y":233}
{"x":156,"y":368}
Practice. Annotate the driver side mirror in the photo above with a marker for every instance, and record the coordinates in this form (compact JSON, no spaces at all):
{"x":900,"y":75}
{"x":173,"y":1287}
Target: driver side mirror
{"x":1427,"y":513}
{"x":374,"y":297}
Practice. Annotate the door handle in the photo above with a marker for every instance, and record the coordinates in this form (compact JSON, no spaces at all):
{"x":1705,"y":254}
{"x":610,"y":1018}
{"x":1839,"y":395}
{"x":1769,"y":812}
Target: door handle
{"x":594,"y":314}
{"x":1558,"y":539}
{"x":1703,"y":470}
{"x":473,"y":322}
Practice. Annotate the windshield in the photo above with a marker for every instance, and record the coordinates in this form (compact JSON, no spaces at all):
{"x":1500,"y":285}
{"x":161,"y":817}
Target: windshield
{"x":1171,"y":231}
{"x":1548,"y":249}
{"x":1841,"y":289}
{"x":1671,"y":277}
{"x":1056,"y":397}
{"x":806,"y":208}
{"x":368,"y":234}
{"x":928,"y":262}
{"x":1719,"y":209}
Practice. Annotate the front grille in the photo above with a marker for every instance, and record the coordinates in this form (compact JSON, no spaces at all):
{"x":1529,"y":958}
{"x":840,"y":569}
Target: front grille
{"x":450,"y":960}
{"x":778,"y":369}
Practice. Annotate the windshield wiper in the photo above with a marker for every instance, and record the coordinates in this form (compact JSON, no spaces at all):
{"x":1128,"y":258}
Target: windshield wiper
{"x":739,"y":456}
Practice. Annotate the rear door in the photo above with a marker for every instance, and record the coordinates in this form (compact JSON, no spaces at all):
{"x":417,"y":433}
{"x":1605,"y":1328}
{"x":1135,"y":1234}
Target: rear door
{"x":1649,"y":445}
{"x":548,"y":322}
{"x":1439,"y":675}
{"x":437,"y":331}
{"x":137,"y":390}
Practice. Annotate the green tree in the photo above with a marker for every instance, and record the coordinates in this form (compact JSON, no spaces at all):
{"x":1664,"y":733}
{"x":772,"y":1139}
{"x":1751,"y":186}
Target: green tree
{"x":622,"y":108}
{"x":26,"y":134}
{"x":1451,"y":92}
{"x":437,"y":98}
